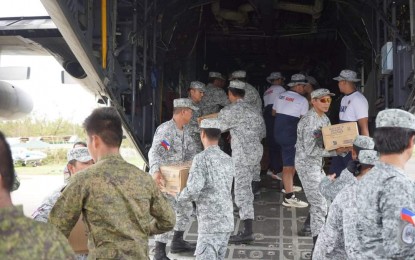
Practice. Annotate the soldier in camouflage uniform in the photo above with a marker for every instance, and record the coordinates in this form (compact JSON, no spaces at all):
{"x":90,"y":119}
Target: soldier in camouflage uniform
{"x":196,"y":93}
{"x":209,"y":185}
{"x":120,"y":204}
{"x":247,"y":129}
{"x":330,"y":186}
{"x":252,"y":96}
{"x":309,"y":156}
{"x":338,"y":237}
{"x":385,"y":191}
{"x":214,"y":97}
{"x":78,"y":160}
{"x":21,"y":237}
{"x":172,"y":145}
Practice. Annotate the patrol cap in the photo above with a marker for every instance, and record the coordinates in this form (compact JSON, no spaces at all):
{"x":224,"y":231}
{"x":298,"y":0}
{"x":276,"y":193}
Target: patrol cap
{"x":369,"y":157}
{"x":348,"y":75}
{"x":395,"y":118}
{"x":364,"y":142}
{"x":239,"y":74}
{"x":275,"y":75}
{"x":321,"y":92}
{"x":210,"y":123}
{"x":217,"y":75}
{"x":297,"y":79}
{"x":237,"y":84}
{"x":184,"y":102}
{"x":80,"y":154}
{"x":198,"y":85}
{"x":311,"y":80}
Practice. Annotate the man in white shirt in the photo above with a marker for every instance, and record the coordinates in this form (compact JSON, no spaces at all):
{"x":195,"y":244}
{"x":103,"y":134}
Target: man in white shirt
{"x":270,"y":95}
{"x":353,"y":108}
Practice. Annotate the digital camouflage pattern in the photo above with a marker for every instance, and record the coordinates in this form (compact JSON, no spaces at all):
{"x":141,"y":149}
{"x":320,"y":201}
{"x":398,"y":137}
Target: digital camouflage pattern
{"x":338,"y":237}
{"x":309,"y":164}
{"x":209,"y":186}
{"x":23,"y":238}
{"x":194,"y":130}
{"x":213,"y":100}
{"x":364,"y":142}
{"x":382,"y":193}
{"x":321,"y":92}
{"x":348,"y":75}
{"x":253,"y":98}
{"x":212,"y":246}
{"x":247,"y":129}
{"x":395,"y":118}
{"x":330,"y":188}
{"x":180,"y":148}
{"x":121,"y":207}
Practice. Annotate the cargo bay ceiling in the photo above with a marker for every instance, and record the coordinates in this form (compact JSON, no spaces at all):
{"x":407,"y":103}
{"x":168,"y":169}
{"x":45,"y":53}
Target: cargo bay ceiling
{"x":141,"y":54}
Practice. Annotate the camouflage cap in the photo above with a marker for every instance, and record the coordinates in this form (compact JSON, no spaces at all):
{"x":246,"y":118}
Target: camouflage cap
{"x":321,"y":92}
{"x":297,"y":79}
{"x":274,"y":75}
{"x":237,"y":84}
{"x":369,"y":157}
{"x":184,"y":102}
{"x":348,"y":75}
{"x":395,"y":118}
{"x":210,"y":123}
{"x":80,"y":154}
{"x":364,"y":142}
{"x":312,"y":81}
{"x":217,"y":75}
{"x":239,"y":74}
{"x":198,"y":85}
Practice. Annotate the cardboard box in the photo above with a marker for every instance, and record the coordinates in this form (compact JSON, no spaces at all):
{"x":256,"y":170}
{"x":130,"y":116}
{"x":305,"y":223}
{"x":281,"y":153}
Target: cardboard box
{"x":175,"y":176}
{"x":214,"y":115}
{"x":340,"y":135}
{"x":78,"y":239}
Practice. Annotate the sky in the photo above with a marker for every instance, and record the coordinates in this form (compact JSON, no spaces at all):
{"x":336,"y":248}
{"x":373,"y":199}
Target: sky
{"x":51,"y":98}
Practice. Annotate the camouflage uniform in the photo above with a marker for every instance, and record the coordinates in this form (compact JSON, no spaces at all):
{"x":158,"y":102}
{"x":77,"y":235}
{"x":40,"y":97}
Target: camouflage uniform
{"x":194,"y":131}
{"x":309,"y":164}
{"x":42,"y":213}
{"x":209,"y":185}
{"x":213,"y":100}
{"x":382,"y":193}
{"x":23,"y":238}
{"x":247,"y":129}
{"x":253,"y":98}
{"x":182,"y":148}
{"x":121,"y":207}
{"x":329,"y":189}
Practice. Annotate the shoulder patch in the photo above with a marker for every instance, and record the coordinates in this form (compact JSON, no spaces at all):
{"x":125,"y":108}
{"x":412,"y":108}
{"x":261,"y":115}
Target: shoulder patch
{"x":165,"y":144}
{"x":408,"y":234}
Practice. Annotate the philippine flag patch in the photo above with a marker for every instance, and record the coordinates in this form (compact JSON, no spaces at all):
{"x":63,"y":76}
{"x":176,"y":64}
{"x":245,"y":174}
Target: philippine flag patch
{"x":408,"y":216}
{"x":165,"y":144}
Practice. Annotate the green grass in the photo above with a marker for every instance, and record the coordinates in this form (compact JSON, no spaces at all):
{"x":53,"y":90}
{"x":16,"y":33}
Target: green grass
{"x":46,"y":169}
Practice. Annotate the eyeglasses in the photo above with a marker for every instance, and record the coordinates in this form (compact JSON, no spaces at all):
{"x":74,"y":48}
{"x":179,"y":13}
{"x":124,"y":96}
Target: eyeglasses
{"x":325,"y":100}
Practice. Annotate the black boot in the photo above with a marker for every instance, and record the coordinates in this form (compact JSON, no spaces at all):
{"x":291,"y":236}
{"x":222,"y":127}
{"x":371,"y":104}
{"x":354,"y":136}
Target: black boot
{"x":256,"y":189}
{"x":314,"y":244}
{"x":179,"y":245}
{"x":306,"y":229}
{"x":244,"y":237}
{"x":160,"y":252}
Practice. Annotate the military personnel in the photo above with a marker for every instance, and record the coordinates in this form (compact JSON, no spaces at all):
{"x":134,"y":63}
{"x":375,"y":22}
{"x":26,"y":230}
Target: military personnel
{"x":209,"y":185}
{"x":252,"y":96}
{"x":66,"y":173}
{"x":196,"y":93}
{"x":120,"y":204}
{"x":214,"y":97}
{"x":172,"y":145}
{"x":386,"y":190}
{"x":21,"y":237}
{"x":330,"y":186}
{"x":270,"y":95}
{"x":287,"y":109}
{"x":247,"y":129}
{"x":309,"y":156}
{"x":338,"y":237}
{"x":353,"y":108}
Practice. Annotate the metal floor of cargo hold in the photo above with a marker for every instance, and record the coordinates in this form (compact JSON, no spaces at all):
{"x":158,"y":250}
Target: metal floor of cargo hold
{"x":275,"y":228}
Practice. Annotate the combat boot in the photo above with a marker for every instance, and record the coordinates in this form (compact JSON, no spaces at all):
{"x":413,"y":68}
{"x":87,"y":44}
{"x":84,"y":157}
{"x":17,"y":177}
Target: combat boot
{"x":305,"y":231}
{"x":179,"y":245}
{"x":244,"y":237}
{"x":256,"y":190}
{"x":160,"y":252}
